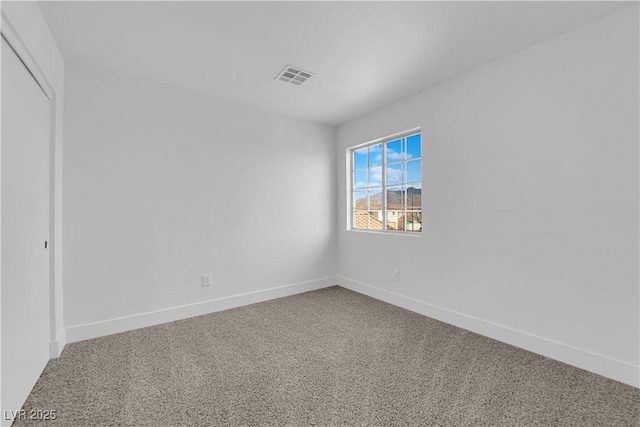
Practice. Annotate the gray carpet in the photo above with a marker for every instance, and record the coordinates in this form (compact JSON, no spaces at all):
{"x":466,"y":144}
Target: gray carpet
{"x":328,"y":357}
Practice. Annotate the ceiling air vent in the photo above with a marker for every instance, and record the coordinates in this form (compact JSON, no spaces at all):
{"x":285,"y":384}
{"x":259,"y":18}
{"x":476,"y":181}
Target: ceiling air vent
{"x":293,"y":75}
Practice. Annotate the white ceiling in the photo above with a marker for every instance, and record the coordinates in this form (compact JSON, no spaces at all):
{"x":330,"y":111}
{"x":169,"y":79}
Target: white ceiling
{"x":365,"y":54}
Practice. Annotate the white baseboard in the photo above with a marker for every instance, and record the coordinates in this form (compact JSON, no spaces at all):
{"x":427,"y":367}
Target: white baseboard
{"x":603,"y":365}
{"x":56,"y":347}
{"x":143,"y":320}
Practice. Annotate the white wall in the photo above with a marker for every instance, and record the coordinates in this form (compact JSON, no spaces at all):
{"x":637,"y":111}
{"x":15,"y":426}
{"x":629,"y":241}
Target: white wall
{"x":530,"y":188}
{"x":162,"y":186}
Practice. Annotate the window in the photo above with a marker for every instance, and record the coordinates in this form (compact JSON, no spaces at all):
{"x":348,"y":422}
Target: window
{"x":386,"y":184}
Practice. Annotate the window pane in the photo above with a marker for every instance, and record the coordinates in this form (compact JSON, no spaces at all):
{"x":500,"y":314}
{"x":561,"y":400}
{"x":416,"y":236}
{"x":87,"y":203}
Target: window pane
{"x":375,"y":176}
{"x":395,"y":198}
{"x":360,"y":158}
{"x":361,"y":220}
{"x":414,"y":221}
{"x":394,"y":151}
{"x":375,"y":220}
{"x":414,"y":197}
{"x":414,"y":171}
{"x":394,"y":174}
{"x":375,"y":198}
{"x":360,"y":200}
{"x":375,"y":155}
{"x":414,"y":146}
{"x":360,"y":178}
{"x":393,"y":219}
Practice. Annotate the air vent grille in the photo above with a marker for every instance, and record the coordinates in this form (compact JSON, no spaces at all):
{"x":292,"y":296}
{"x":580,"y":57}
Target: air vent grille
{"x":294,"y":75}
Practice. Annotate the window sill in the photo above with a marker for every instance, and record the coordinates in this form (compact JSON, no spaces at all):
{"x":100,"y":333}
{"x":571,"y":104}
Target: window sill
{"x":387,"y":233}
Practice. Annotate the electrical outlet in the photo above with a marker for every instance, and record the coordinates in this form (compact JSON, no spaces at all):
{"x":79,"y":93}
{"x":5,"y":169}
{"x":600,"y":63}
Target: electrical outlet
{"x":206,"y":279}
{"x":395,"y":273}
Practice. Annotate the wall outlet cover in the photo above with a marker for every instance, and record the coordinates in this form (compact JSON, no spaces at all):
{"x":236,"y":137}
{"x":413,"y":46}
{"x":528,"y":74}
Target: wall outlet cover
{"x":206,"y":279}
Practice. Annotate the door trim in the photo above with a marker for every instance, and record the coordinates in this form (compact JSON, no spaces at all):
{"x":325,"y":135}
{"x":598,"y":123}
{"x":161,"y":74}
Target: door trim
{"x":8,"y":32}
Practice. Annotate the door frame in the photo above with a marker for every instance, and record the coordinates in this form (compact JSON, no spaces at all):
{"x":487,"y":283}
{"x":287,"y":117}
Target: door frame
{"x":16,"y":43}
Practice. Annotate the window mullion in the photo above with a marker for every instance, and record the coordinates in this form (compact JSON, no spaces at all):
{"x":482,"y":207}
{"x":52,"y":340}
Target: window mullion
{"x":405,"y":154}
{"x":369,"y":189}
{"x":384,"y":186}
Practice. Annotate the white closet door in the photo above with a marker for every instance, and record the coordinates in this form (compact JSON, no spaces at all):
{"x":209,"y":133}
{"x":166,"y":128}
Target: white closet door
{"x":25,"y":228}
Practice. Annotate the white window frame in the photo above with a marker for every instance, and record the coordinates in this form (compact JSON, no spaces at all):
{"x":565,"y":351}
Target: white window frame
{"x":351,"y":184}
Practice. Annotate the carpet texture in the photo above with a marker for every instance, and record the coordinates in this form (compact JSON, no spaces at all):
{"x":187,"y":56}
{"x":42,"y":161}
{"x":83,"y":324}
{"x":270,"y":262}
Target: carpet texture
{"x":327,"y":357}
